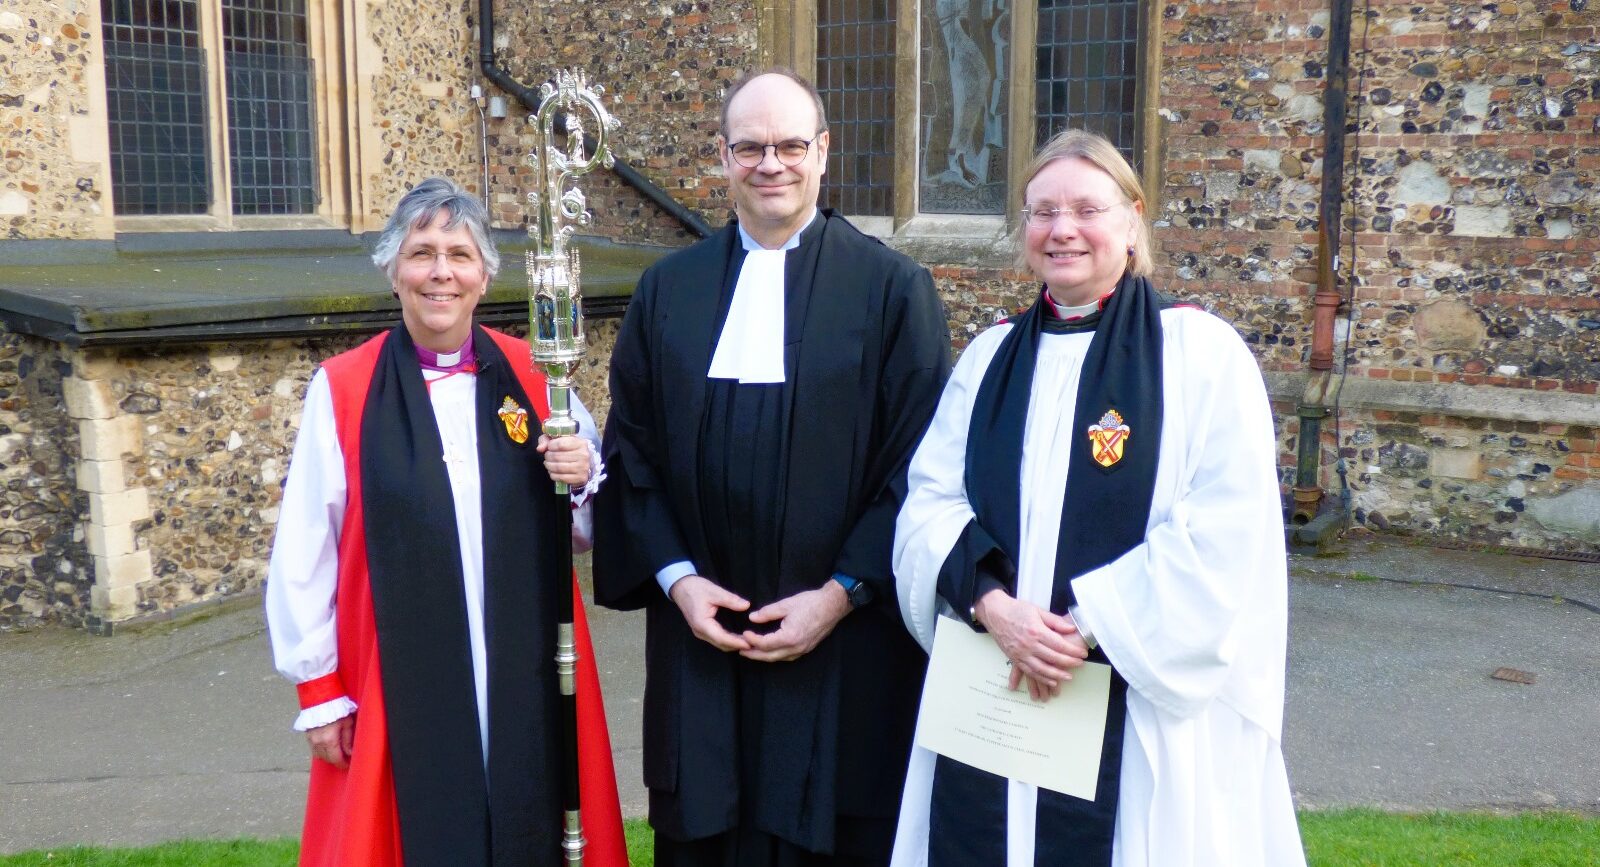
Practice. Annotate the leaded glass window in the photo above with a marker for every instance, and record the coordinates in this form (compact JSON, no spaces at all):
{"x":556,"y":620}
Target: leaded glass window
{"x":855,"y":77}
{"x":965,"y":87}
{"x":161,"y":107}
{"x":1087,"y":69}
{"x":971,"y":115}
{"x":270,"y":145}
{"x":156,"y":98}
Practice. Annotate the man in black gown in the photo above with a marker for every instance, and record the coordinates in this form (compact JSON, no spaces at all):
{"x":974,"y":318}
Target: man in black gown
{"x":768,"y":386}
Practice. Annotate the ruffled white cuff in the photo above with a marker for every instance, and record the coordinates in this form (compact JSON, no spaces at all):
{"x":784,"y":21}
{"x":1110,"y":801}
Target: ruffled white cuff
{"x":319,"y":715}
{"x":597,"y":474}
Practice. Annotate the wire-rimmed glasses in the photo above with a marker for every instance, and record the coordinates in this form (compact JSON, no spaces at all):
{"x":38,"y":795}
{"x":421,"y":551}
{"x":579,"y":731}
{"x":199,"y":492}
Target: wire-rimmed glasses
{"x":791,"y":151}
{"x":1044,"y":216}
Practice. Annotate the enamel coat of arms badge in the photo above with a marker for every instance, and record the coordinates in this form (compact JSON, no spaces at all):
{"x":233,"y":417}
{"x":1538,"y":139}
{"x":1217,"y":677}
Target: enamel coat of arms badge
{"x":515,"y":419}
{"x":1108,"y":436}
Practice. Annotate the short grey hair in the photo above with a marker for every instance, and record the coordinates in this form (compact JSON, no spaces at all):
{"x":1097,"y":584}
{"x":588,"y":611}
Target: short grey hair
{"x":420,"y":207}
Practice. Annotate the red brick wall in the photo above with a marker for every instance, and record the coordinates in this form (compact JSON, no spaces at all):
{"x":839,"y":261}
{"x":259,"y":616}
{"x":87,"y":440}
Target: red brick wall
{"x":1472,"y":172}
{"x":1471,"y":175}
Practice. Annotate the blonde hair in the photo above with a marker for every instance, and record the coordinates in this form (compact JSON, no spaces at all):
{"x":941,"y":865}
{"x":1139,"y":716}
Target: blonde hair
{"x":1103,"y":155}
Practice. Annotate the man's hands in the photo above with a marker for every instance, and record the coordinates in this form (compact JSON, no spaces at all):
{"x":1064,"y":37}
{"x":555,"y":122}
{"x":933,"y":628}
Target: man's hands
{"x":803,"y":619}
{"x":333,"y":742}
{"x":699,"y":598}
{"x":566,"y":459}
{"x":1042,"y":647}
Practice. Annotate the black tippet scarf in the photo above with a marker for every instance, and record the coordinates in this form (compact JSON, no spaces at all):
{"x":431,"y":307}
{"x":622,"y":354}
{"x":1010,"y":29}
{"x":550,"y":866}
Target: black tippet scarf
{"x":1104,"y":513}
{"x":450,"y":811}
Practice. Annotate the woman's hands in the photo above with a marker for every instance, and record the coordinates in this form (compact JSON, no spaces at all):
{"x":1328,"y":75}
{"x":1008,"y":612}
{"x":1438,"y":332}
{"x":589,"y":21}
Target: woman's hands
{"x":566,"y":459}
{"x":333,"y":742}
{"x":1043,"y":647}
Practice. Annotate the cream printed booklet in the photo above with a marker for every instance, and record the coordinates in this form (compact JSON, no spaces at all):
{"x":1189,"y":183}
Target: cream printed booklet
{"x":968,"y":714}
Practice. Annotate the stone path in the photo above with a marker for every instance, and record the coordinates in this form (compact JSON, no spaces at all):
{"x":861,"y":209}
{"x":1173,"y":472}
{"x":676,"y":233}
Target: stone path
{"x":176,"y":731}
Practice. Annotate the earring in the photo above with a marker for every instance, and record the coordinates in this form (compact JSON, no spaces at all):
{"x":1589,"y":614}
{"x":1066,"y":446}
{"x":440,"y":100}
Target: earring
{"x":1130,"y":251}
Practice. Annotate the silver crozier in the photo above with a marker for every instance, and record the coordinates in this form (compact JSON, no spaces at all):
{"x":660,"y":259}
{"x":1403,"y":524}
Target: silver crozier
{"x":555,"y":329}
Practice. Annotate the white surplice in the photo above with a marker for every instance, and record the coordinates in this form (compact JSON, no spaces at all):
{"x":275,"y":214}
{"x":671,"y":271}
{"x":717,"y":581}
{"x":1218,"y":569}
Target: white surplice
{"x":303,"y":574}
{"x":1195,"y":617}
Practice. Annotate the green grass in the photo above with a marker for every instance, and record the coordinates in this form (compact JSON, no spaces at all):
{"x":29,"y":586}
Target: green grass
{"x":232,"y":853}
{"x":641,"y":842}
{"x":1343,"y":838}
{"x":1368,"y":838}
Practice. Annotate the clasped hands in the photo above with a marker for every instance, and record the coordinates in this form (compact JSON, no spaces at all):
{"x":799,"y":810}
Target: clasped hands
{"x":803,"y":619}
{"x":1043,"y":647}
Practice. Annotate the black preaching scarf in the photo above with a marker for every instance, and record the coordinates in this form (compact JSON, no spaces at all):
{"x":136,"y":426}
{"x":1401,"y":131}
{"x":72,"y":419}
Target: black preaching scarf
{"x":449,"y":811}
{"x":1104,"y":514}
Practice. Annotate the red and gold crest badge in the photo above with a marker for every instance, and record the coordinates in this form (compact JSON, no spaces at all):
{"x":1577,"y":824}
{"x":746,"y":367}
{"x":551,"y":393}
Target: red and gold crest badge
{"x":515,"y":419}
{"x":1108,"y":436}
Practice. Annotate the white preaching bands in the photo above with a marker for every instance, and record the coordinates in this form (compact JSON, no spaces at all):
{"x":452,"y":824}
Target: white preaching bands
{"x":750,"y":348}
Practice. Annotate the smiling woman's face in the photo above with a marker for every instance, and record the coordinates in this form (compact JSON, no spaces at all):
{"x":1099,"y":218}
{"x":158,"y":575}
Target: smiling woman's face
{"x":1079,"y":262}
{"x":440,"y":277}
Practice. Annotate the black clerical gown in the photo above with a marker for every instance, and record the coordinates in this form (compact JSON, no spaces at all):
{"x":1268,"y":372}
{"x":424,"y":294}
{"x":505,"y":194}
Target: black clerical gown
{"x":769,"y":489}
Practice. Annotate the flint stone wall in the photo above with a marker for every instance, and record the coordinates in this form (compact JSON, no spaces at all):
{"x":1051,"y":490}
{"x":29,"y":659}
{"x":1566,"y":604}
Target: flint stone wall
{"x":44,"y":566}
{"x":204,"y":434}
{"x":1470,"y":238}
{"x":1472,"y":167}
{"x":52,"y":150}
{"x":423,"y":63}
{"x":664,"y":67}
{"x":217,"y":425}
{"x":1496,"y":481}
{"x":1470,"y":231}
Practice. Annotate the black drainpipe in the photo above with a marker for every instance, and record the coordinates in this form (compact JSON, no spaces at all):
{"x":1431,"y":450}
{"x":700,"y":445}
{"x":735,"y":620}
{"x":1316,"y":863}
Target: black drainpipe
{"x":530,"y":100}
{"x":1322,"y":388}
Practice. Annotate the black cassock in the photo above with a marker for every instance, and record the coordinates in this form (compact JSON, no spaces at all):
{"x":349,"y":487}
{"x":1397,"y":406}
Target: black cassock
{"x":769,"y":489}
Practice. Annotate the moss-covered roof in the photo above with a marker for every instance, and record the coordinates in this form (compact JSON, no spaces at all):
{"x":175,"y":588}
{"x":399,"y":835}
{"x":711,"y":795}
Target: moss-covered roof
{"x":85,"y":293}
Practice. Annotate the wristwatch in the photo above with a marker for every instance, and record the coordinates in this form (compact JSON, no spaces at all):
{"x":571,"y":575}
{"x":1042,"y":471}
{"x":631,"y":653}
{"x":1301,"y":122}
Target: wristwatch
{"x":857,"y":591}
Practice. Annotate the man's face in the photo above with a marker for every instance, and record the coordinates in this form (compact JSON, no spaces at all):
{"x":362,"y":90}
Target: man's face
{"x":773,"y":200}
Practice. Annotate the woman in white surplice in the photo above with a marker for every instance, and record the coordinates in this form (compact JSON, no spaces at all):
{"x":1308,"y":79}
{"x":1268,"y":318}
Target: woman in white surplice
{"x":1107,"y":411}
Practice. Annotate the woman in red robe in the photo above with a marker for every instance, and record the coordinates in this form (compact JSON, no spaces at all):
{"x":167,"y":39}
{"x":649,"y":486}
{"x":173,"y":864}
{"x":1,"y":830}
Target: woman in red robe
{"x":411,"y":590}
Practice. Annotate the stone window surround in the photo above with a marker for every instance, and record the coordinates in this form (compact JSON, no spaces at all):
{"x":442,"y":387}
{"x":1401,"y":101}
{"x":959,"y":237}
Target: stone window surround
{"x":787,"y":37}
{"x":330,"y":112}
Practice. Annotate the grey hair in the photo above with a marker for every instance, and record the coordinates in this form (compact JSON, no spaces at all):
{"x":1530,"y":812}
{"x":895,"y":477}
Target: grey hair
{"x":420,"y":207}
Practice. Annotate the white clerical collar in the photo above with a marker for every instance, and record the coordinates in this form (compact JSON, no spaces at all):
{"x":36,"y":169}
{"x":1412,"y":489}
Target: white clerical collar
{"x":750,"y":347}
{"x":1066,"y":313}
{"x":750,"y":243}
